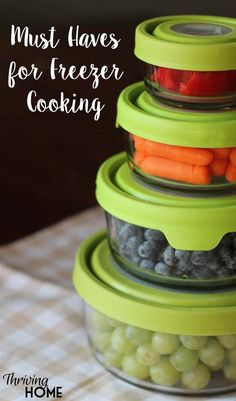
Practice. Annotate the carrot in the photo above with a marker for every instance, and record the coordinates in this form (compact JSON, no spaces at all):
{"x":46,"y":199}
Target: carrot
{"x":218,"y":167}
{"x":232,"y":156}
{"x":220,"y":153}
{"x":230,"y":173}
{"x":139,"y":142}
{"x":174,"y":170}
{"x":194,"y":156}
{"x":139,"y":156}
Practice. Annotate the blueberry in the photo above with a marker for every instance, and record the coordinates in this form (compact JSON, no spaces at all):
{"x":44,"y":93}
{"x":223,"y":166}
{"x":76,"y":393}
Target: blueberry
{"x":182,"y":255}
{"x":231,"y":263}
{"x":213,"y":264}
{"x":201,"y":273}
{"x":133,"y":244}
{"x":169,"y":256}
{"x":179,"y":273}
{"x":127,"y":231}
{"x":123,"y":248}
{"x":148,"y":250}
{"x":163,"y":269}
{"x":154,"y":235}
{"x":184,"y":266}
{"x":130,"y":247}
{"x":223,"y":272}
{"x":146,"y":264}
{"x":224,"y":253}
{"x":135,"y":260}
{"x":199,"y":258}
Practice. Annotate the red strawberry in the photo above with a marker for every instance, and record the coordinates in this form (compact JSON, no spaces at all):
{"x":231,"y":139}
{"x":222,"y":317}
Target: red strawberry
{"x":195,"y":83}
{"x":213,"y":83}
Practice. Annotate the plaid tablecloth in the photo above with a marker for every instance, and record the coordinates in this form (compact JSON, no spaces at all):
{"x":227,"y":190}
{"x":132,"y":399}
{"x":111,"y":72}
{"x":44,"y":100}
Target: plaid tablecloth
{"x":41,"y":321}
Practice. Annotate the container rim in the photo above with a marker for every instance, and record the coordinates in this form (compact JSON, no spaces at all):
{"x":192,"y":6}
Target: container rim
{"x":138,"y":114}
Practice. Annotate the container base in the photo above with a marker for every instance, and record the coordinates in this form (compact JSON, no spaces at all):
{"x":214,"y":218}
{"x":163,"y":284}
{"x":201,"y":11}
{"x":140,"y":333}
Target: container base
{"x":189,"y":102}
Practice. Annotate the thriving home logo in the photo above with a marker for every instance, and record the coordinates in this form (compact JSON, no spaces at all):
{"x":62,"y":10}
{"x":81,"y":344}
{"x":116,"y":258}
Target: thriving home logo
{"x":33,"y":386}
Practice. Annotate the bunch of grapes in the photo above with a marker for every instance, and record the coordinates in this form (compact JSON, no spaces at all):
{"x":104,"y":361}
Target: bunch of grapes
{"x":164,"y":359}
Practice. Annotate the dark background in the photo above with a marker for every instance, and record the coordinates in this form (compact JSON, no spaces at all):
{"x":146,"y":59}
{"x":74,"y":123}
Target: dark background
{"x":48,"y":162}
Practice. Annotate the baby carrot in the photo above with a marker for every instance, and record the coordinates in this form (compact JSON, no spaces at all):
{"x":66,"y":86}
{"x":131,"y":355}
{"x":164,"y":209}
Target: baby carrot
{"x":174,"y":170}
{"x":220,"y":153}
{"x":139,"y":156}
{"x":230,"y":173}
{"x":218,"y":167}
{"x":139,"y":142}
{"x":232,"y":156}
{"x":194,"y":156}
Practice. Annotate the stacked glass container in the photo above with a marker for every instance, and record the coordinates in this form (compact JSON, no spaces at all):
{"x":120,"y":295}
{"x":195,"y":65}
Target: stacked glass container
{"x":160,"y":288}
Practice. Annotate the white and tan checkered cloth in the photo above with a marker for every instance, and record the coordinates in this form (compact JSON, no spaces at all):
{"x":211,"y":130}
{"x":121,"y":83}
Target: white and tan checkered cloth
{"x":41,"y":320}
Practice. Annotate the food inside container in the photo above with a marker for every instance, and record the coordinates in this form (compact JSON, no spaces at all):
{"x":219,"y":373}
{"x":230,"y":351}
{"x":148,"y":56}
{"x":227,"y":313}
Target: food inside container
{"x":191,"y":86}
{"x":190,"y":60}
{"x":147,"y":253}
{"x":178,"y":149}
{"x":180,"y":164}
{"x":161,"y":359}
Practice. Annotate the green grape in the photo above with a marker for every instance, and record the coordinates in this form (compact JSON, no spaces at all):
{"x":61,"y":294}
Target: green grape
{"x":218,"y":367}
{"x":184,"y":359}
{"x":112,"y":358}
{"x":132,"y":367}
{"x":115,"y":323}
{"x":146,"y":355}
{"x":137,"y":336}
{"x":99,"y":321}
{"x":197,"y":378}
{"x":228,"y":342}
{"x":120,"y":342}
{"x":194,"y":342}
{"x":165,"y":343}
{"x":102,"y":340}
{"x":231,"y":355}
{"x":230,"y":371}
{"x":164,"y":373}
{"x":212,"y":354}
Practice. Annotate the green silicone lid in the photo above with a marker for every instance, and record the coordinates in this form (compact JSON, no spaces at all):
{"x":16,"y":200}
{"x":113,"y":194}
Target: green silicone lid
{"x":188,"y":223}
{"x":138,"y":114}
{"x":188,"y":42}
{"x":132,"y":302}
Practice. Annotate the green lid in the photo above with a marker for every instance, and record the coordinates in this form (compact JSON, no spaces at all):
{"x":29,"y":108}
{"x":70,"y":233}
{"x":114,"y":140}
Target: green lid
{"x":133,"y":302}
{"x":188,"y":223}
{"x":188,"y":42}
{"x":138,"y":114}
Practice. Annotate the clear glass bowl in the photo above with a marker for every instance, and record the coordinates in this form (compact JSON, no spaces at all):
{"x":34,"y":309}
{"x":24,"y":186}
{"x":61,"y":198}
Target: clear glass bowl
{"x":181,"y":167}
{"x":192,"y":89}
{"x":178,"y":364}
{"x":146,"y":253}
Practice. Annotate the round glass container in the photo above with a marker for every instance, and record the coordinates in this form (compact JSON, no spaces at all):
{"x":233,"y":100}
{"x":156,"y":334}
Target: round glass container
{"x":162,"y":340}
{"x":190,"y":60}
{"x":168,"y":239}
{"x":178,"y":149}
